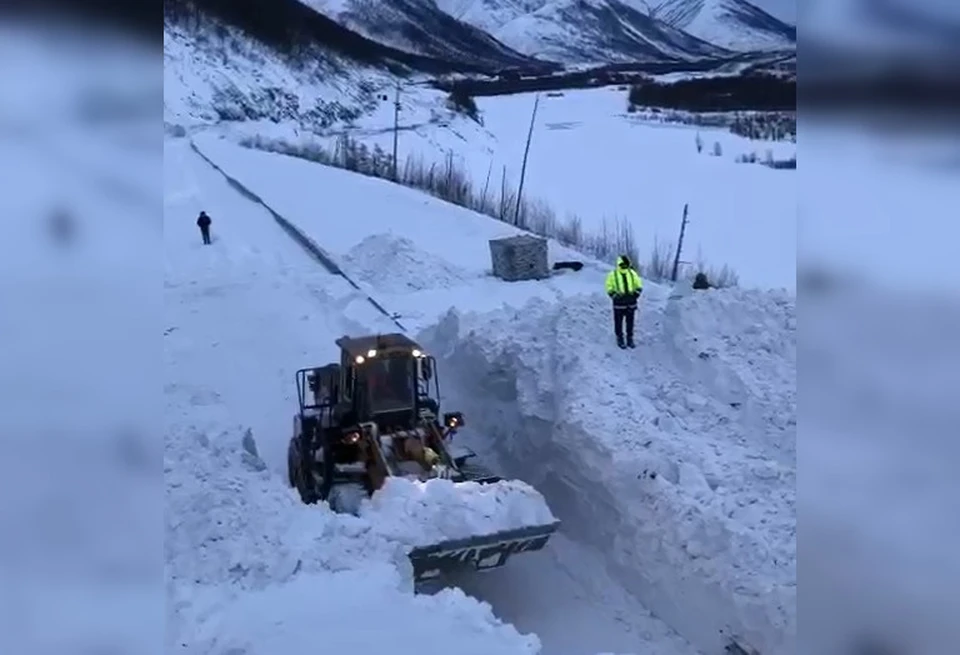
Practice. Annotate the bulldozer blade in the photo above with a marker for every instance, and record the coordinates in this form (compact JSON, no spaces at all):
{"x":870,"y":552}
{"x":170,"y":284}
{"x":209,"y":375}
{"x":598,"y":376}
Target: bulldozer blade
{"x":482,"y":553}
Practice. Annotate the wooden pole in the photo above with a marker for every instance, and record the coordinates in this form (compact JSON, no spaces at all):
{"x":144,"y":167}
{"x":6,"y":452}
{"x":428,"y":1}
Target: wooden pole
{"x":396,"y":131}
{"x":523,"y":167}
{"x":676,"y":259}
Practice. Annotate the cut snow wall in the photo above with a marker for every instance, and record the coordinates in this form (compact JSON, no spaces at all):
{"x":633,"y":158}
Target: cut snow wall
{"x":530,"y":394}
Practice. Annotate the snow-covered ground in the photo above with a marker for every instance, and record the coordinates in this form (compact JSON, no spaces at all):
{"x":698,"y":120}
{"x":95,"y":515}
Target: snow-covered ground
{"x":740,"y":214}
{"x":588,"y":157}
{"x":699,"y":423}
{"x":247,"y":565}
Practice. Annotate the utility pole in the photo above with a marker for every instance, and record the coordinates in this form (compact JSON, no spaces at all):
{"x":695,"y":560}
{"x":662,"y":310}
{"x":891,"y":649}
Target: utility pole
{"x":396,"y":131}
{"x":676,"y":259}
{"x":523,"y":167}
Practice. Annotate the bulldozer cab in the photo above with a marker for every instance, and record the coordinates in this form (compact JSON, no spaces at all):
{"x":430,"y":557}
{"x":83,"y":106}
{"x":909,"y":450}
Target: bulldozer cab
{"x":387,"y":379}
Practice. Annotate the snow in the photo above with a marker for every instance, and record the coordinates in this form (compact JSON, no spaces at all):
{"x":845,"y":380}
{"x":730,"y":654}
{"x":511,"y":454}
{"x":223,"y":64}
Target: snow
{"x":712,"y":541}
{"x":392,"y":253}
{"x":741,"y":215}
{"x":336,"y":610}
{"x":640,"y":171}
{"x":439,"y":510}
{"x":691,"y":458}
{"x":701,"y":425}
{"x":242,"y":552}
{"x":734,"y":24}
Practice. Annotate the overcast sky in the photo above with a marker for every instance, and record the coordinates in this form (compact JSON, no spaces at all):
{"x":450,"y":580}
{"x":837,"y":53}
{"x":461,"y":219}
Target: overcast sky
{"x":785,"y":10}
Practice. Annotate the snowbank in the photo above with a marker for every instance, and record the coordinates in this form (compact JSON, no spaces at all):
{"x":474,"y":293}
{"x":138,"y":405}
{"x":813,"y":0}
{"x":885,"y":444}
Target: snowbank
{"x":677,"y":459}
{"x":423,"y":513}
{"x":249,"y":567}
{"x":358,"y":612}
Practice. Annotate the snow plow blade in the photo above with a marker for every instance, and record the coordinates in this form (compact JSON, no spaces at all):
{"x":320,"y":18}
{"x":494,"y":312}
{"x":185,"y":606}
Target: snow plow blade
{"x":479,"y":553}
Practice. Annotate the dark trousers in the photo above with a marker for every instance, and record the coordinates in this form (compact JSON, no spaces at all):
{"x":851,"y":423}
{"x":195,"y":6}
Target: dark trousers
{"x":205,"y":233}
{"x":623,"y":315}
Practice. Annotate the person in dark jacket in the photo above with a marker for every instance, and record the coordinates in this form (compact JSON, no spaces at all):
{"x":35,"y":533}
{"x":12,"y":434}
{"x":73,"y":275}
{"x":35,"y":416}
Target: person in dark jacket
{"x":203,"y":222}
{"x":701,"y":282}
{"x":624,"y":286}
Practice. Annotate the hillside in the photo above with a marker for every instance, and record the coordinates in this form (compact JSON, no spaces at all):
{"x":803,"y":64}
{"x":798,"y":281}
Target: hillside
{"x":218,"y":70}
{"x":421,"y":27}
{"x":600,"y":31}
{"x":733,"y":24}
{"x":303,"y":34}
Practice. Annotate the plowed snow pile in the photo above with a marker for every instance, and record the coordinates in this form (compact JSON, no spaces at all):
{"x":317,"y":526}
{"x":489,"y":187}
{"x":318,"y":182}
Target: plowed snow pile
{"x":251,"y":569}
{"x":676,"y":459}
{"x":421,"y":513}
{"x":385,"y":261}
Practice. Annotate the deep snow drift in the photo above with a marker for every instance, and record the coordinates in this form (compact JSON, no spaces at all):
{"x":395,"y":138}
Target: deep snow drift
{"x":677,"y":460}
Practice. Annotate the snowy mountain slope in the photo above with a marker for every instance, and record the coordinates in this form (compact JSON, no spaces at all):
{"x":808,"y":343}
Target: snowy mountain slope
{"x":489,"y":15}
{"x":594,"y":31}
{"x":305,"y":35}
{"x":237,"y":80}
{"x":600,"y":31}
{"x":203,"y":83}
{"x":733,"y":24}
{"x":420,"y":26}
{"x":699,"y":423}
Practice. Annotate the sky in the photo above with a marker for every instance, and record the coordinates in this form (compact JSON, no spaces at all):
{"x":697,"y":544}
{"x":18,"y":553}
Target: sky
{"x":785,"y":10}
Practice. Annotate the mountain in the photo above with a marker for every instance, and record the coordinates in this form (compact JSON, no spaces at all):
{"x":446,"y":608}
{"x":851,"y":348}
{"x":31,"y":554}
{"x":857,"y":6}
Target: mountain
{"x":490,"y":15}
{"x":421,"y":27}
{"x":582,"y":31}
{"x":732,"y":24}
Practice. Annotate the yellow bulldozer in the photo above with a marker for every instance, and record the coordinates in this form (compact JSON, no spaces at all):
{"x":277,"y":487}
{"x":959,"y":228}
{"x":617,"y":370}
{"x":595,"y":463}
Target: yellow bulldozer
{"x":376,"y":414}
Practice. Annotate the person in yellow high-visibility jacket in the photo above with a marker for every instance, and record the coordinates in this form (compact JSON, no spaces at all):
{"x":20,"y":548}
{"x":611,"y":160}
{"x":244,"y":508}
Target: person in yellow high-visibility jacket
{"x":624,"y":286}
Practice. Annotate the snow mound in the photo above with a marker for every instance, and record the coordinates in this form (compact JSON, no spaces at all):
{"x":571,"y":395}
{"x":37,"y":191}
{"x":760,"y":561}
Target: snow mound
{"x":424,"y":513}
{"x":395,"y":264}
{"x":251,"y":569}
{"x":677,"y":459}
{"x":335,"y":611}
{"x":230,"y":521}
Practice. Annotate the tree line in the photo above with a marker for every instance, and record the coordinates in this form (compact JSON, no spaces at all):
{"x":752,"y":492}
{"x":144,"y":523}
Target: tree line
{"x":759,"y":91}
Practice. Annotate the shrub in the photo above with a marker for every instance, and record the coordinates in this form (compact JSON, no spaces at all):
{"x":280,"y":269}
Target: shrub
{"x":462,"y":102}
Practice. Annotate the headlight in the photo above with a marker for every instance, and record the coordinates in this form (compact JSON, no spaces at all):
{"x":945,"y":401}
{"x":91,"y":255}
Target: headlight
{"x":371,"y":353}
{"x":359,"y":359}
